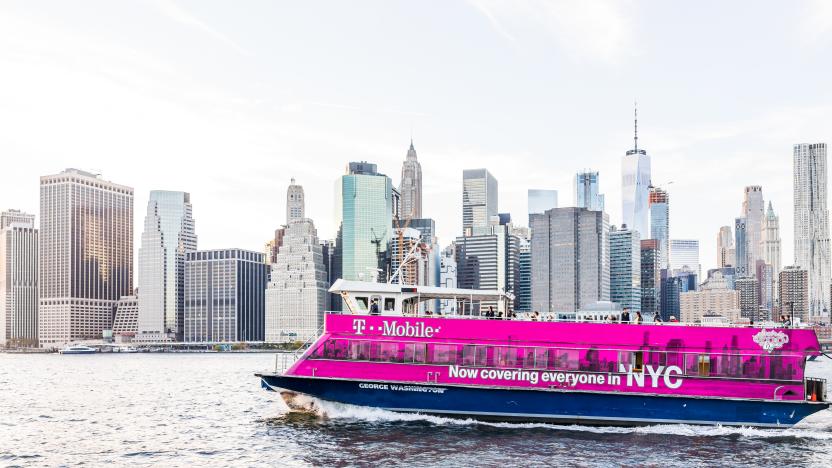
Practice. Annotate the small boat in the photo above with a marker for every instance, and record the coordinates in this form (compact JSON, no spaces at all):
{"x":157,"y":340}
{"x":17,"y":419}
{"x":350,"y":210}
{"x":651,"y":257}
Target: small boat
{"x":397,"y":356}
{"x":78,"y":349}
{"x":127,"y":349}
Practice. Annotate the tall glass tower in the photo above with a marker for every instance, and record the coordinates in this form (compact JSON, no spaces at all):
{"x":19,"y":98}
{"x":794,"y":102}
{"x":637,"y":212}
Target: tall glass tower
{"x":168,"y":235}
{"x":587,"y":186}
{"x":635,"y":183}
{"x":479,"y":200}
{"x":365,"y":215}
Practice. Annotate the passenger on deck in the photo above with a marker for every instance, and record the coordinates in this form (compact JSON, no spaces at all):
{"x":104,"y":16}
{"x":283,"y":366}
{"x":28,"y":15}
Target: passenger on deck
{"x":673,"y":319}
{"x":625,"y":316}
{"x":490,"y":314}
{"x":657,"y":318}
{"x":535,"y":316}
{"x":638,"y":320}
{"x":374,"y":307}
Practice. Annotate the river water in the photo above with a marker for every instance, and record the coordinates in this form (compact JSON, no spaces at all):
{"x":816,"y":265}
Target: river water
{"x":208,"y":409}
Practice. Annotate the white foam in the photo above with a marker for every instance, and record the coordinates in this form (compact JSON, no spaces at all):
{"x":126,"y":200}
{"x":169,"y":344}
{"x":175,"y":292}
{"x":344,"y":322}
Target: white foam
{"x":817,"y":427}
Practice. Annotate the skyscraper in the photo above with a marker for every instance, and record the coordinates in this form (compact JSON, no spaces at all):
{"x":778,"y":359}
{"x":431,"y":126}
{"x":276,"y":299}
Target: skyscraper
{"x":741,"y":247}
{"x":749,"y":299}
{"x":570,"y":251}
{"x":85,"y":255}
{"x":295,"y":203}
{"x":479,"y":200}
{"x":586,"y":190}
{"x":224,"y":296}
{"x":753,"y":210}
{"x":169,"y":234}
{"x":625,"y":268}
{"x":635,"y":183}
{"x":364,"y":215}
{"x":811,"y":223}
{"x":659,"y":202}
{"x":725,"y":252}
{"x":650,"y":277}
{"x":793,"y":288}
{"x":685,"y":253}
{"x":296,"y":296}
{"x":18,"y":280}
{"x":411,"y":185}
{"x":489,"y":260}
{"x":447,"y":277}
{"x":771,"y":240}
{"x":524,"y":294}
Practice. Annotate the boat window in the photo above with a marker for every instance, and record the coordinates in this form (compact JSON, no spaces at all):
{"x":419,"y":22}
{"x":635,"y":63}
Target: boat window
{"x":656,"y":358}
{"x":676,"y":359}
{"x":631,"y":360}
{"x":566,"y":359}
{"x":360,"y":350}
{"x":754,"y":367}
{"x":444,"y":354}
{"x":541,"y":358}
{"x":704,"y":365}
{"x":388,"y":352}
{"x":691,"y":364}
{"x":362,"y":303}
{"x":414,"y":352}
{"x":389,"y":304}
{"x":505,"y":357}
{"x":331,"y":349}
{"x":528,"y":358}
{"x":469,"y":355}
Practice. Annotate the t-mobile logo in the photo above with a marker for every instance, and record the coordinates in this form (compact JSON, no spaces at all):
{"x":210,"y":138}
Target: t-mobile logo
{"x":358,"y":325}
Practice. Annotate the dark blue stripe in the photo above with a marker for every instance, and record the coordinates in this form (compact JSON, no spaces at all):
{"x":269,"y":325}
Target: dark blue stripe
{"x":533,"y":405}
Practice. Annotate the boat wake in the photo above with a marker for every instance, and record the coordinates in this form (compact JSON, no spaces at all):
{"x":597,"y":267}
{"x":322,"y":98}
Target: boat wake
{"x":815,"y":427}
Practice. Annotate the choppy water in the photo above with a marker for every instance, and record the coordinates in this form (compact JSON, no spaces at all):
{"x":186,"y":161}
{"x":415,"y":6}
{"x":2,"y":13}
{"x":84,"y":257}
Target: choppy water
{"x":208,"y":409}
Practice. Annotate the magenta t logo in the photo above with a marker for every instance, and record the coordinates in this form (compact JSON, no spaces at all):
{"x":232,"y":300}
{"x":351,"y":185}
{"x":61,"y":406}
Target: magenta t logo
{"x":358,"y":325}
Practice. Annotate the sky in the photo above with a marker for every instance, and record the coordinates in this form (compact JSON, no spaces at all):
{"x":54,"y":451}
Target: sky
{"x":230,"y":100}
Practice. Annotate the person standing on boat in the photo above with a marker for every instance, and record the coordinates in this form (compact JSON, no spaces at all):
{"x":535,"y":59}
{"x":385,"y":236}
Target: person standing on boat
{"x":638,"y":320}
{"x":374,"y":307}
{"x":625,"y":316}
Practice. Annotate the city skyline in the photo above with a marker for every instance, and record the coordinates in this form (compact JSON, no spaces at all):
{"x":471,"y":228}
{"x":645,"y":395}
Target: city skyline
{"x":272,"y":134}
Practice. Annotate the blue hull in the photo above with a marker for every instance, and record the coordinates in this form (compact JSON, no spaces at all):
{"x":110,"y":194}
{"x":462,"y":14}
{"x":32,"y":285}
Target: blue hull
{"x":548,"y":406}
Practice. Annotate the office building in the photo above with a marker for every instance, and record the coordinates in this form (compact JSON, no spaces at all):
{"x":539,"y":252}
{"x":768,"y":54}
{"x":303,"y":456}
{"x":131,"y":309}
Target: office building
{"x":523,"y":301}
{"x":650,"y":277}
{"x":332,"y":266}
{"x":794,"y":292}
{"x":766,"y":284}
{"x":295,"y":203}
{"x":224,"y":296}
{"x":85,"y":255}
{"x":479,"y":200}
{"x":18,"y":280}
{"x":169,"y":234}
{"x":753,"y":210}
{"x":684,"y":253}
{"x":715,"y":297}
{"x":625,"y":268}
{"x":587,"y":191}
{"x":570,"y":252}
{"x":659,"y":202}
{"x":410,"y":258}
{"x":126,"y":318}
{"x":811,"y":224}
{"x":364,"y":216}
{"x":411,"y":185}
{"x":635,"y":183}
{"x":771,"y":241}
{"x":725,"y":247}
{"x":488,"y":260}
{"x":749,"y":299}
{"x":296,"y":296}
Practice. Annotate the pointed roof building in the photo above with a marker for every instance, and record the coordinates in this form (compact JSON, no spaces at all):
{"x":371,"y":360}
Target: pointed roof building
{"x":411,"y":185}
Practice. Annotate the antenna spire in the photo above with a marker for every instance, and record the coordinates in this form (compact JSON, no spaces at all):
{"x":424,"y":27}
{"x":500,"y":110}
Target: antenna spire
{"x":635,"y":115}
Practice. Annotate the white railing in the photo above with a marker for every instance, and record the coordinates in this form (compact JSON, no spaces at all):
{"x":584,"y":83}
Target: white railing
{"x":283,"y":361}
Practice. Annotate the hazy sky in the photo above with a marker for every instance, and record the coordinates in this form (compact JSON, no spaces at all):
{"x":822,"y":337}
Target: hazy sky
{"x":229,"y":100}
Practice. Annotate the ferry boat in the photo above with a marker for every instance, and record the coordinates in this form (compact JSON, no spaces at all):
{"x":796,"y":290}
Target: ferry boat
{"x":388,"y":350}
{"x":78,"y":349}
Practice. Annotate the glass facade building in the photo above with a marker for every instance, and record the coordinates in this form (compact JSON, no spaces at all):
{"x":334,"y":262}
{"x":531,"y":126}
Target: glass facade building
{"x":684,"y":253}
{"x":660,"y":222}
{"x":625,"y":268}
{"x":540,"y":200}
{"x":479,"y":200}
{"x":586,"y":190}
{"x":364,"y":214}
{"x":650,"y":277}
{"x":85,"y":255}
{"x":225,"y":296}
{"x":169,"y":234}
